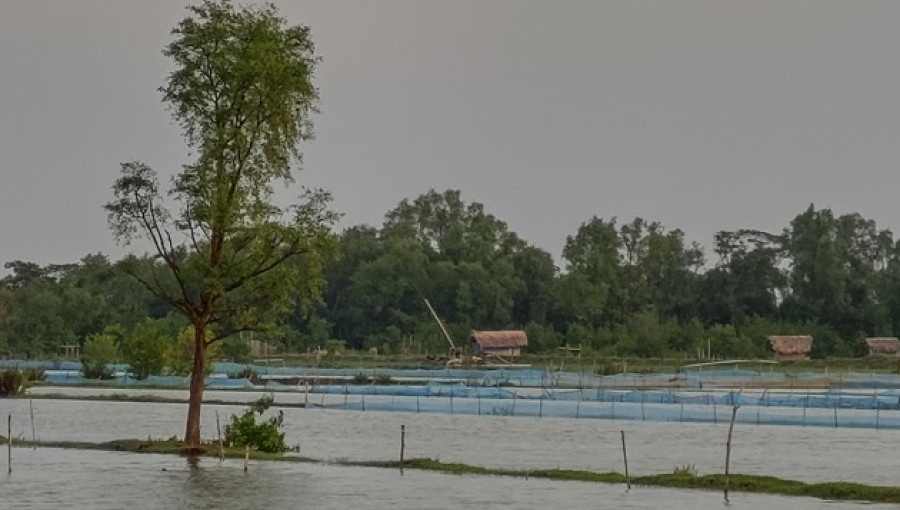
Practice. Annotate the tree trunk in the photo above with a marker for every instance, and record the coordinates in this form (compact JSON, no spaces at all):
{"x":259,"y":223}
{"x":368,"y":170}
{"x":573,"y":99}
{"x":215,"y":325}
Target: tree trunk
{"x":198,"y":376}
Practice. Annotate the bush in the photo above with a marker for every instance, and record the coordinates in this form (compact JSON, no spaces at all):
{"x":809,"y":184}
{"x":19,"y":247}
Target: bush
{"x":246,"y":373}
{"x":34,"y":374}
{"x":235,"y":349}
{"x":12,"y":382}
{"x":266,"y":436}
{"x":144,"y":348}
{"x":99,"y":351}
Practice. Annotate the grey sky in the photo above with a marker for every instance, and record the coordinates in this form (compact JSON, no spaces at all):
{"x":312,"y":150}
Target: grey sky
{"x":705,"y":115}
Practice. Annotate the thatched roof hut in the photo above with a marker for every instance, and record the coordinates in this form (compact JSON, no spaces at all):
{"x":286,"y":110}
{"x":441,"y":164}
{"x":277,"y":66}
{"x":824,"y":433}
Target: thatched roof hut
{"x":503,"y":343}
{"x":889,"y":345}
{"x":791,"y":348}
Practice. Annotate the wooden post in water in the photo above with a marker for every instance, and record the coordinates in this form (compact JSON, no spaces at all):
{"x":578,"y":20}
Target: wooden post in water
{"x":402,"y":442}
{"x":835,"y":416}
{"x":246,"y":457}
{"x":734,"y":411}
{"x":625,"y":457}
{"x":33,"y":436}
{"x":219,"y":435}
{"x":9,"y":443}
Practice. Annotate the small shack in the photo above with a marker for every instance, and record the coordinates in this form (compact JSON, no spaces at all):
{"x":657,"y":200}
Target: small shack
{"x":791,"y":348}
{"x":883,"y":345}
{"x":498,"y":343}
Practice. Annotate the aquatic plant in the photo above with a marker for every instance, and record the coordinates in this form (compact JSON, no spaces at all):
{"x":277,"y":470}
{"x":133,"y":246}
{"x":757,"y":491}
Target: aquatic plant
{"x":265,"y":436}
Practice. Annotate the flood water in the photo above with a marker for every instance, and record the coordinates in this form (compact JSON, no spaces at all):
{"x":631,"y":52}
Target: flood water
{"x":51,"y":479}
{"x":48,"y":477}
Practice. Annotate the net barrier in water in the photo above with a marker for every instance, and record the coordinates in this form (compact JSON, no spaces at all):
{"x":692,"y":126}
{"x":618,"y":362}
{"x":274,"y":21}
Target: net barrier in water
{"x":613,"y":410}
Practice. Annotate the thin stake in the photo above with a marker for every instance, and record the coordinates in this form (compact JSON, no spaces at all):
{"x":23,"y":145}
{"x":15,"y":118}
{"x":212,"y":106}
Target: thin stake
{"x":219,"y":434}
{"x":835,"y":417}
{"x":734,"y":411}
{"x":402,"y":442}
{"x":33,"y":436}
{"x":9,"y":441}
{"x":625,"y":457}
{"x":246,"y":457}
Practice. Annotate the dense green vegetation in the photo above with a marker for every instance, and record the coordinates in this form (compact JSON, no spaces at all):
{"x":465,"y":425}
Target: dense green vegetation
{"x":625,"y":289}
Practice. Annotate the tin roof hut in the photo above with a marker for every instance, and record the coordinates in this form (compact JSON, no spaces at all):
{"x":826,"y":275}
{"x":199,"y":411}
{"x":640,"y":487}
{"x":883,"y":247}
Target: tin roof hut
{"x":791,"y":348}
{"x":499,"y":343}
{"x":886,"y":345}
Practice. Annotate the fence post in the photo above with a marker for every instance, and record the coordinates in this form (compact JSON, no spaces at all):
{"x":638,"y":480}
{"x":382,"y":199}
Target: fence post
{"x":33,"y":436}
{"x":9,"y":441}
{"x":402,"y":442}
{"x":625,"y":457}
{"x":734,"y":411}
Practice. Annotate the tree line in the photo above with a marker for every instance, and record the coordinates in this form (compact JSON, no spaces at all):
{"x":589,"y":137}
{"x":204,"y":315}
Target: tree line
{"x":625,"y":288}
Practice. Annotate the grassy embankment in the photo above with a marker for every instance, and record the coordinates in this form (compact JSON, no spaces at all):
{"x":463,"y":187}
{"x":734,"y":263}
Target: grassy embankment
{"x":680,"y":479}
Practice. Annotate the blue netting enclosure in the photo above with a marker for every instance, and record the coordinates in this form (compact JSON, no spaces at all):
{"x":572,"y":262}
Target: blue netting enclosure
{"x":853,"y":399}
{"x":814,"y":410}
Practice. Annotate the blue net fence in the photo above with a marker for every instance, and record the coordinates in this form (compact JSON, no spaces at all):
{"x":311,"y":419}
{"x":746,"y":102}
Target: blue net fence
{"x":825,"y":411}
{"x":854,"y":399}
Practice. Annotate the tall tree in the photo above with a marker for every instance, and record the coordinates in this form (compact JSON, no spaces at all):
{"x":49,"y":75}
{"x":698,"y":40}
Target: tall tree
{"x":242,"y":93}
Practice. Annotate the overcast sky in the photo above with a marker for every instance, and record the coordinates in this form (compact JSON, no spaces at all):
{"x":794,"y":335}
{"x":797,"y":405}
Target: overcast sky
{"x":704,"y":115}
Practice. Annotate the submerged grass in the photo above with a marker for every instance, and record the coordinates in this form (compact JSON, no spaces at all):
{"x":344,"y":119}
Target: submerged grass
{"x":680,"y":479}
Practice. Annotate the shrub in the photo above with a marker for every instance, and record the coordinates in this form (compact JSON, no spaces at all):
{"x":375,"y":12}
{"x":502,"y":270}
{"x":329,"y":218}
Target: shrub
{"x":236,"y":349}
{"x":361,"y":379}
{"x":266,"y":436}
{"x":12,"y":382}
{"x":144,"y":348}
{"x":246,"y":373}
{"x":99,"y":351}
{"x":34,"y":374}
{"x":383,"y":379}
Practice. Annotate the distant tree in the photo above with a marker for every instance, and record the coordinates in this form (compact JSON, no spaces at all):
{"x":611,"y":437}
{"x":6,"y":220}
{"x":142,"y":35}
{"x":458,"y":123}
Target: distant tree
{"x":144,"y":348}
{"x":99,"y":351}
{"x":242,"y":91}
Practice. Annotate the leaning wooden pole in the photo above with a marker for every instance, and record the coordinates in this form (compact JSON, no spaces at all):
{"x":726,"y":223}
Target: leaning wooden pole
{"x":9,"y":444}
{"x":33,"y":435}
{"x":219,"y":435}
{"x":402,"y":442}
{"x":625,"y":457}
{"x":734,"y":411}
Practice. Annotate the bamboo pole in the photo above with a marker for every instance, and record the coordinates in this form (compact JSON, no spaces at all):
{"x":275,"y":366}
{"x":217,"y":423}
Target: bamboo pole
{"x":734,"y":411}
{"x":402,"y":442}
{"x":219,"y":435}
{"x":33,"y":435}
{"x":625,"y":457}
{"x":9,"y":441}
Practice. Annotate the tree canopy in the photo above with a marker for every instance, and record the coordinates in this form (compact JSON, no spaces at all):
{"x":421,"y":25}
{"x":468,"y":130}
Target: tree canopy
{"x":229,"y":258}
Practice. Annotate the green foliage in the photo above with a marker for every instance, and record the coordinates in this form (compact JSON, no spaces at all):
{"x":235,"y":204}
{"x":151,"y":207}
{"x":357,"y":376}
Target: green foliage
{"x":265,"y":436}
{"x":99,"y":351}
{"x":241,"y":89}
{"x":383,"y":379}
{"x":12,"y":382}
{"x":246,"y":373}
{"x":235,"y":349}
{"x":179,"y":355}
{"x":686,"y":470}
{"x":145,"y":346}
{"x":334,"y":347}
